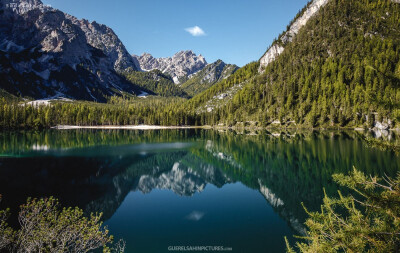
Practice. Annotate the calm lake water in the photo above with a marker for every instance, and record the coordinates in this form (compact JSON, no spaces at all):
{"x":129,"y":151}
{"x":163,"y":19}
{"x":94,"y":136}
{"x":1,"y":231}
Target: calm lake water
{"x":165,"y":188}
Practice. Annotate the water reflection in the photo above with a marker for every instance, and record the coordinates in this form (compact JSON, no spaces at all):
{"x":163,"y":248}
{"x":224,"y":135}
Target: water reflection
{"x":100,"y":170}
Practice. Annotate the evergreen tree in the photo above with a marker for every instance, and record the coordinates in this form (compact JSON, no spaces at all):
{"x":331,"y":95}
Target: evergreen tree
{"x":367,"y":221}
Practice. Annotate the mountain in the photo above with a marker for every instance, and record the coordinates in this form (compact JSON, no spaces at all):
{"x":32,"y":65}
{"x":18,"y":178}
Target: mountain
{"x":47,"y":53}
{"x":337,"y":64}
{"x":155,"y":83}
{"x":179,"y":67}
{"x":208,"y":76}
{"x":181,"y":180}
{"x":190,"y":71}
{"x":300,"y":20}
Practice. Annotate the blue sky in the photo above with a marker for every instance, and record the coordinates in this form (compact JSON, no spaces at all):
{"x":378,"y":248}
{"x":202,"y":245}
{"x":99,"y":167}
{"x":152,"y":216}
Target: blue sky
{"x":236,"y":31}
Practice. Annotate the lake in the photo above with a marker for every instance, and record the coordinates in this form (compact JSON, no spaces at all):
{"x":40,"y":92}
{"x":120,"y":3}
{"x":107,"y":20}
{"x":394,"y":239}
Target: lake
{"x":161,"y":189}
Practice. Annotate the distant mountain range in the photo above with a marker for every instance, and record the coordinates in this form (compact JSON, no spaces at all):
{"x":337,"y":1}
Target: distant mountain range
{"x":46,"y":53}
{"x":208,"y":76}
{"x":191,"y":72}
{"x":336,"y":64}
{"x":180,"y":66}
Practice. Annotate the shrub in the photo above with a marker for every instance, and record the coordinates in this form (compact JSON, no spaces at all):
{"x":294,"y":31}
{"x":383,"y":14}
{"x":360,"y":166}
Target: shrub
{"x":45,"y":227}
{"x":368,"y":221}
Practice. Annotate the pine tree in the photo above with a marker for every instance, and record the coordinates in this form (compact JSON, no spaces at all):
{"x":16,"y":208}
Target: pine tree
{"x":367,"y":221}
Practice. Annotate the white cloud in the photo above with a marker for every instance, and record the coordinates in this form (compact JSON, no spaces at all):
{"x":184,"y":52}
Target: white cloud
{"x":195,"y":216}
{"x":195,"y":31}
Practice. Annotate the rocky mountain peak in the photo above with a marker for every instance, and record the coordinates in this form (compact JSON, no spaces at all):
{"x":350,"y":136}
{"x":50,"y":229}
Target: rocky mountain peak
{"x":60,"y":54}
{"x":188,"y":54}
{"x":147,"y":55}
{"x":22,"y":6}
{"x":103,"y":38}
{"x":179,"y":66}
{"x":208,"y":76}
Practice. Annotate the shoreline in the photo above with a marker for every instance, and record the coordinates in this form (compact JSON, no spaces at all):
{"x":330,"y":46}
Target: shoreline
{"x":155,"y":127}
{"x":128,"y":127}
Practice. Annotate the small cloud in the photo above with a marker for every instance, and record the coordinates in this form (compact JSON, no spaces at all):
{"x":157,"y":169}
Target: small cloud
{"x":195,"y":31}
{"x":195,"y":216}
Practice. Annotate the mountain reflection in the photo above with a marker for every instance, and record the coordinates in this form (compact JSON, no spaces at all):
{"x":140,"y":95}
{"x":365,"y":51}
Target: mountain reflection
{"x":96,"y":170}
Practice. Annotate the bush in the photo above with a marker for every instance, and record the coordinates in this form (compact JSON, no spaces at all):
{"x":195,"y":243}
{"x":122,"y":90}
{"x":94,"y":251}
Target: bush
{"x":369,"y":221}
{"x":46,"y":228}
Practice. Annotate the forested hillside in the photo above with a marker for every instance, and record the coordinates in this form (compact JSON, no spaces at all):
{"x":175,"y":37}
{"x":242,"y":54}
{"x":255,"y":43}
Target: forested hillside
{"x":155,"y":82}
{"x":342,"y":68}
{"x":117,"y":111}
{"x":208,"y":76}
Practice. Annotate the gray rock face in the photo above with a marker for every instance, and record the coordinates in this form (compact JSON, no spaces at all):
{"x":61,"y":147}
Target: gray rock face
{"x":47,"y":53}
{"x":179,"y":181}
{"x":271,"y":55}
{"x":215,"y":72}
{"x":102,"y":37}
{"x":385,"y":125}
{"x":182,"y":180}
{"x":179,"y":67}
{"x":312,"y":9}
{"x":276,"y":49}
{"x":208,"y":76}
{"x":23,"y":6}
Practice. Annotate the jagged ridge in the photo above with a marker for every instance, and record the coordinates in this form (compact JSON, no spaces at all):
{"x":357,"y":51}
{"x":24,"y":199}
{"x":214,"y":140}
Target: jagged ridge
{"x":59,"y":54}
{"x":179,"y":66}
{"x":208,"y":76}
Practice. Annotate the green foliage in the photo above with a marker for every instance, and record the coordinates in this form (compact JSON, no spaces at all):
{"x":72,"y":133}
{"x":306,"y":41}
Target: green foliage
{"x":368,"y":221}
{"x":240,"y":76}
{"x":342,"y":69}
{"x":6,"y":96}
{"x":200,"y":82}
{"x":11,"y":141}
{"x":155,"y":82}
{"x":46,"y":228}
{"x":118,"y":111}
{"x":342,"y":66}
{"x":126,"y":110}
{"x":6,"y":233}
{"x":380,"y":144}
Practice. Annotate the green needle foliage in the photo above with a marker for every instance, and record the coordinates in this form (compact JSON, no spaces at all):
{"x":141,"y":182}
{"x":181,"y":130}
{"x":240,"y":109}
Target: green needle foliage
{"x":342,"y":69}
{"x":156,"y":82}
{"x":368,"y":221}
{"x":46,"y":228}
{"x":380,"y":144}
{"x":118,"y":111}
{"x":6,"y":233}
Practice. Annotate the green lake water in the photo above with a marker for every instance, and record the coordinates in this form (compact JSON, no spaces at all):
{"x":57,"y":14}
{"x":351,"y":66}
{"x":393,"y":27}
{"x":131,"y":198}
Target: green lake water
{"x":163,"y":188}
